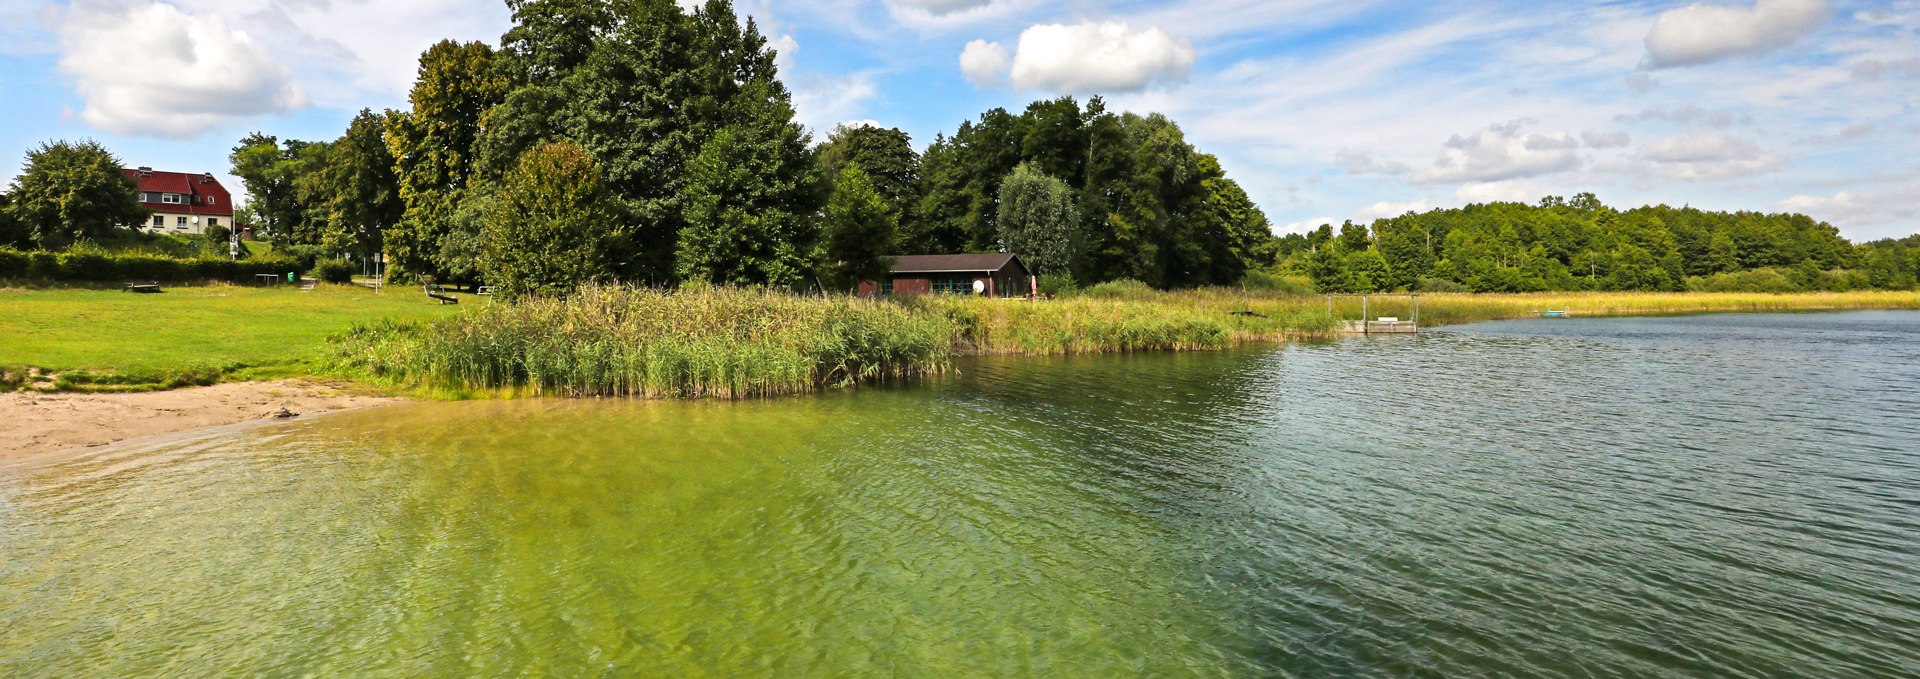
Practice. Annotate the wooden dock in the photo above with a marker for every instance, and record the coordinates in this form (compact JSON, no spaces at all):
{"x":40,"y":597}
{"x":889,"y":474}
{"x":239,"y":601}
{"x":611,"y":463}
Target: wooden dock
{"x":1383,"y":325}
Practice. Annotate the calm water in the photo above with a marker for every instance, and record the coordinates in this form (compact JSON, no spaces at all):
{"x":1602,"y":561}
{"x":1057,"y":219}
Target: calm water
{"x":1703,"y":496}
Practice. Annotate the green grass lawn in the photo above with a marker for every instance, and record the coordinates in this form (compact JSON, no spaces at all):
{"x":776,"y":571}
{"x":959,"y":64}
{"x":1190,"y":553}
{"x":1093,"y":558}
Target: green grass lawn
{"x":131,"y":341}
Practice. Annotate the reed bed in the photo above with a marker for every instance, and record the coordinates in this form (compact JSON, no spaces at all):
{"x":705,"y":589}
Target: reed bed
{"x":1191,"y":320}
{"x":612,"y":341}
{"x":1455,"y":308}
{"x":732,"y":343}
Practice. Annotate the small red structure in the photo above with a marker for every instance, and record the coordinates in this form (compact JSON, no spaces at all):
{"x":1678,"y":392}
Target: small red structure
{"x":991,"y":275}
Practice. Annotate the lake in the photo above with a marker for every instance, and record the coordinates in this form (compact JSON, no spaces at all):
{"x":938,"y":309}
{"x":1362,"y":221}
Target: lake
{"x":1727,"y":495}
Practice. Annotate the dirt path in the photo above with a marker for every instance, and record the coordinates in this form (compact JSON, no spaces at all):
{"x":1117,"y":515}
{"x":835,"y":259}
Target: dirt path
{"x":37,"y":423}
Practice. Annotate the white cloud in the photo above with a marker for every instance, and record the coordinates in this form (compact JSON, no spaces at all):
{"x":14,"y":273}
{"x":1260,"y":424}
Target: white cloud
{"x":820,"y":103}
{"x":1688,"y":115}
{"x":1091,"y":57}
{"x":1888,"y":207}
{"x":1501,"y":152}
{"x":1390,"y":209}
{"x":1701,"y":33}
{"x":938,"y":7}
{"x":1496,"y":192}
{"x":1875,"y":69}
{"x":151,"y":69}
{"x":1303,"y":226}
{"x":1708,"y":156}
{"x":1611,"y":139}
{"x":984,"y":63}
{"x":1356,"y":161}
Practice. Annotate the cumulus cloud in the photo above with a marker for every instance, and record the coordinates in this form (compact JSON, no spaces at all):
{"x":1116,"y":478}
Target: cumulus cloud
{"x":1356,"y":161}
{"x":1611,"y":139}
{"x":984,"y":63}
{"x":151,"y":69}
{"x":820,"y":103}
{"x":1303,"y":226}
{"x":1085,"y":58}
{"x":1708,"y":156}
{"x":1385,"y":209}
{"x":1889,"y":207}
{"x":1506,"y":191}
{"x":1702,"y":33}
{"x":1502,"y":152}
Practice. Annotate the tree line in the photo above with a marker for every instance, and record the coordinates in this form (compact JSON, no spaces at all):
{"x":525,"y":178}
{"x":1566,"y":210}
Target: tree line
{"x":635,"y":141}
{"x":1582,"y":244}
{"x":638,"y":142}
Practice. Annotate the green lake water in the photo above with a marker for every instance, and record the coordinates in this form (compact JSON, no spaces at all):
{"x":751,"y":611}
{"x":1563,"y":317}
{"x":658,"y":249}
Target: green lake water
{"x":1733,"y":495}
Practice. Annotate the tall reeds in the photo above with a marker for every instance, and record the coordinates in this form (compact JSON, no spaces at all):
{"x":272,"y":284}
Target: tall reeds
{"x":610,"y":341}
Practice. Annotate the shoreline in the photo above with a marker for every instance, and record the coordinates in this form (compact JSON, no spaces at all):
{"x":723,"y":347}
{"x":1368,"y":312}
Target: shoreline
{"x":48,"y":424}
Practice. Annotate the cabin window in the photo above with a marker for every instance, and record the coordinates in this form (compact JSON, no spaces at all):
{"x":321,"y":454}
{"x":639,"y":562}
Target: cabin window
{"x":886,"y":286}
{"x":952,"y":286}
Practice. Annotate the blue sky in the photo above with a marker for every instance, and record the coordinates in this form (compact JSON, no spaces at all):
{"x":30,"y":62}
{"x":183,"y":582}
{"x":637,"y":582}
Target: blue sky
{"x":1324,"y":109}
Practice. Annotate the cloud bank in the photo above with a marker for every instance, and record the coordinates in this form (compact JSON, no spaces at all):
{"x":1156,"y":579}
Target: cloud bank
{"x":153,"y":70}
{"x":1701,"y":33}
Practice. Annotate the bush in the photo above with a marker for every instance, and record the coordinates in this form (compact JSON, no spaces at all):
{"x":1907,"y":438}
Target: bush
{"x":1755,"y":280}
{"x":1125,"y":288}
{"x":1058,"y":284}
{"x":13,"y":264}
{"x":1438,"y":285}
{"x":43,"y":265}
{"x":1271,"y":282}
{"x":88,"y":266}
{"x":333,"y":271}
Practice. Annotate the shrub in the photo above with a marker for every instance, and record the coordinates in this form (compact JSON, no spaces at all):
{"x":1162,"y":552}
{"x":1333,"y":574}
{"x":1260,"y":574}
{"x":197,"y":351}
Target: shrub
{"x":13,"y":264}
{"x":45,"y":265}
{"x":1125,"y":288}
{"x":1438,"y":285}
{"x":1755,"y":280}
{"x":333,"y":271}
{"x":1058,"y":284}
{"x":88,"y":266}
{"x":1256,"y":279}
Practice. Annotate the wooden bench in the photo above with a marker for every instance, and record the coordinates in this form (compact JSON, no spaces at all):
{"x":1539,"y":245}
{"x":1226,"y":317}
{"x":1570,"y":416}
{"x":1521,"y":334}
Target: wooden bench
{"x":435,"y":291}
{"x":144,"y":288}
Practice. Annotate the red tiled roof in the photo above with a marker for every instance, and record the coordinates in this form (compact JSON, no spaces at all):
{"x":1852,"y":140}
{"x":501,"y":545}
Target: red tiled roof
{"x":951,"y":263}
{"x":199,"y":187}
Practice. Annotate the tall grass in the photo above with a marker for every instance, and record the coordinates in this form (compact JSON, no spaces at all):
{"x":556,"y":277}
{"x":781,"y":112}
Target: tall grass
{"x":610,"y":341}
{"x":732,"y":343}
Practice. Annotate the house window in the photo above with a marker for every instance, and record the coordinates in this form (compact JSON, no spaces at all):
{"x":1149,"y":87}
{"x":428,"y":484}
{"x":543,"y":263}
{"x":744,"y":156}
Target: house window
{"x":210,"y":200}
{"x":886,"y":286}
{"x":159,"y":221}
{"x":180,"y":222}
{"x":953,"y":286}
{"x":213,"y":221}
{"x":169,"y":198}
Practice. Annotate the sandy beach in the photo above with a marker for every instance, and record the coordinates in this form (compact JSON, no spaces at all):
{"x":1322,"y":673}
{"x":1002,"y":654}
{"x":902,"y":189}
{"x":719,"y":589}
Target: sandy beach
{"x":41,"y":423}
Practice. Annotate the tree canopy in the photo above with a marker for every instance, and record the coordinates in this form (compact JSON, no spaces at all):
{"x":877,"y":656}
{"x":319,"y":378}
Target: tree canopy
{"x":71,"y":191}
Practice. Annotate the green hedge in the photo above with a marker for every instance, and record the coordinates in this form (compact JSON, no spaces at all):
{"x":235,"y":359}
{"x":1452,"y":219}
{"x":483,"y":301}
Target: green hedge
{"x":96,"y":267}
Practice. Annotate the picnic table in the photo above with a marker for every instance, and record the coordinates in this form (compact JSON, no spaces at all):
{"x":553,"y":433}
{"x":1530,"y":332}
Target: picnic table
{"x":266,"y":278}
{"x":144,"y":288}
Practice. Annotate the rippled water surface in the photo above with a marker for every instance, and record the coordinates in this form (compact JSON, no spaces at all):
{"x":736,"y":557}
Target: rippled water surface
{"x":1694,"y":496}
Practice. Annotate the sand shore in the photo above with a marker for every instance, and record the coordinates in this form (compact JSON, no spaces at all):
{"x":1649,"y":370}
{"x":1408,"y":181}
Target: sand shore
{"x":41,"y":423}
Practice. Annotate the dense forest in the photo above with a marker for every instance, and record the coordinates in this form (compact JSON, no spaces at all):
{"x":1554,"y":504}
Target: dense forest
{"x":1581,"y":244}
{"x":635,"y":141}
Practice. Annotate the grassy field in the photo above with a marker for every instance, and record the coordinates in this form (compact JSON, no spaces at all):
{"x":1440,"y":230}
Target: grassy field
{"x":112,"y":340}
{"x":729,"y":343}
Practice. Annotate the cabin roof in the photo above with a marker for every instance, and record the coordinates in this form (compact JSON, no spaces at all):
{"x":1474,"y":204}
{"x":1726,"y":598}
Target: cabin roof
{"x":953,"y":263}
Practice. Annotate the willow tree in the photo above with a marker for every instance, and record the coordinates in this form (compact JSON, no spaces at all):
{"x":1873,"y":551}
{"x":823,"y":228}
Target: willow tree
{"x":1038,"y":222}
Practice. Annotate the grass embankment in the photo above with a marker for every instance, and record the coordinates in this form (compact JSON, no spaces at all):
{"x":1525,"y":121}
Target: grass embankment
{"x":81,"y":339}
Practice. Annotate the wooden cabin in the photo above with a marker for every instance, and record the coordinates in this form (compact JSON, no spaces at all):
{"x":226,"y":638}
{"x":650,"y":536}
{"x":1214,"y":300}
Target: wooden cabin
{"x":991,"y":275}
